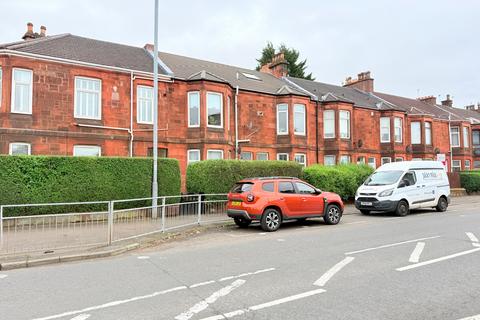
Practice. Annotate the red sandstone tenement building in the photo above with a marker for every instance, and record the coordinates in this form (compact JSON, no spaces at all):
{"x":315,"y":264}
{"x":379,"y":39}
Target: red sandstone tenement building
{"x":73,"y":96}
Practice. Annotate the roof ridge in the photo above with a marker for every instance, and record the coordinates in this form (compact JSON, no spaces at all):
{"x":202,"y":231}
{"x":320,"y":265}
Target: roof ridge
{"x":22,"y":44}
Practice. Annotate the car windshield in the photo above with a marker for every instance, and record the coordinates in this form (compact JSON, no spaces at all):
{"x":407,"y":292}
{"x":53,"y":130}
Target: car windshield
{"x":382,"y":178}
{"x":242,"y":187}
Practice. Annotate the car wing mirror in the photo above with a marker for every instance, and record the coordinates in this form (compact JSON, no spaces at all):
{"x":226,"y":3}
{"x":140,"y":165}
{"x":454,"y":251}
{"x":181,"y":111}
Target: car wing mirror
{"x":318,"y":191}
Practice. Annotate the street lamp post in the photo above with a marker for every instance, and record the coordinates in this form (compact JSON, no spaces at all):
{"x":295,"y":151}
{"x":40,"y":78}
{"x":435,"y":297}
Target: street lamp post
{"x":155,"y":115}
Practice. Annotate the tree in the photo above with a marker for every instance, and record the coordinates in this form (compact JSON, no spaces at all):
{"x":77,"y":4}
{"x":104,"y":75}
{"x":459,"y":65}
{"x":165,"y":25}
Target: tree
{"x":295,"y":68}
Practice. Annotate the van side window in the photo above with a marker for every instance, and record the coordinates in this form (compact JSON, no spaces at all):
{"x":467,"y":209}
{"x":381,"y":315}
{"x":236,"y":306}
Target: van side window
{"x":285,"y":187}
{"x":410,"y":177}
{"x":268,"y":186}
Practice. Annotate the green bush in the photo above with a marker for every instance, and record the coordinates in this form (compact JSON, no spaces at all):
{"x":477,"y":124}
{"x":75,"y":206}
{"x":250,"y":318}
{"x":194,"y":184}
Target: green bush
{"x":218,"y":176}
{"x":470,"y":180}
{"x":341,"y":179}
{"x":44,"y":179}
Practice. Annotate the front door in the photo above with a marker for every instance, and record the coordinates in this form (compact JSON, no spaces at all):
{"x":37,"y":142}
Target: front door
{"x":312,"y":203}
{"x":291,"y":201}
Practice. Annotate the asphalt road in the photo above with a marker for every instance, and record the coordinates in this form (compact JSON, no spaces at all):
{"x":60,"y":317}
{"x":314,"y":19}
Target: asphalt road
{"x":423,"y":266}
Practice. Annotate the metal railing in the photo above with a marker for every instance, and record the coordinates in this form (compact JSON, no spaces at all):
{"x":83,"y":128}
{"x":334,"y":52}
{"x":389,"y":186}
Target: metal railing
{"x":102,"y":222}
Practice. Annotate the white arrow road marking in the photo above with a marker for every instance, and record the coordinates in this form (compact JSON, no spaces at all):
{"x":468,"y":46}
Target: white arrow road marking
{"x":477,"y":317}
{"x":390,"y":245}
{"x":330,"y":273}
{"x":81,"y":317}
{"x":202,"y":305}
{"x":415,"y":256}
{"x":424,"y":263}
{"x":3,"y":276}
{"x":265,"y":305}
{"x":472,"y":237}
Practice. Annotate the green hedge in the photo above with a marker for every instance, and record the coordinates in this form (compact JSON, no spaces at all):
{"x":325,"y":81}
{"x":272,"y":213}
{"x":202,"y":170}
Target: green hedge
{"x":218,"y":176}
{"x":44,"y":179}
{"x":470,"y":180}
{"x":341,"y":179}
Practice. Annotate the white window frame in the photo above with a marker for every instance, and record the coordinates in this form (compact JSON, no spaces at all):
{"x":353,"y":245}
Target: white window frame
{"x":466,"y":137}
{"x":76,"y":115}
{"x":398,"y":124}
{"x":304,"y":162}
{"x":347,"y":119}
{"x":329,"y":156}
{"x":30,"y":101}
{"x":266,"y":153}
{"x":138,"y":104}
{"x":251,"y":155}
{"x":80,"y":146}
{"x":189,"y":152}
{"x":221,"y":109}
{"x":459,"y":164}
{"x":372,"y":164}
{"x":10,"y":147}
{"x":359,"y":160}
{"x":457,"y":134}
{"x":213,"y":150}
{"x":188,"y":109}
{"x":345,"y":157}
{"x":419,"y":141}
{"x":329,"y":135}
{"x":383,"y":122}
{"x":382,"y":160}
{"x":303,"y":111}
{"x":398,"y":159}
{"x":417,"y":159}
{"x":283,"y":154}
{"x":278,"y":118}
{"x":468,"y":166}
{"x":428,"y":137}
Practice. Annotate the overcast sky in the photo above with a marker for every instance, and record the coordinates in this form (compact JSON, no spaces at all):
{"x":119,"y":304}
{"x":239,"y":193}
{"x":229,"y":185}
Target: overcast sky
{"x":412,"y":48}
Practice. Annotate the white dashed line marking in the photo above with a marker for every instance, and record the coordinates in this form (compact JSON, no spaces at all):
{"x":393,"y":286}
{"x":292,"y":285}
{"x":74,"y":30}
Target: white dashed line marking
{"x":3,"y":276}
{"x":472,"y":237}
{"x":390,"y":245}
{"x":330,"y":273}
{"x":81,"y":317}
{"x":202,"y":284}
{"x":143,"y":257}
{"x":246,"y":274}
{"x":415,"y":256}
{"x":262,"y":233}
{"x":477,"y":317}
{"x":421,"y":264}
{"x":281,"y":240}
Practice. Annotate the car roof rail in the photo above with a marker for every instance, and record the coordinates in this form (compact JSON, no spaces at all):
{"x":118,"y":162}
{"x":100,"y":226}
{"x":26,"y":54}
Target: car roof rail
{"x":271,"y":178}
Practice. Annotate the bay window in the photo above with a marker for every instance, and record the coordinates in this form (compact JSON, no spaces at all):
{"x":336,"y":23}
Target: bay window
{"x":214,"y":110}
{"x":299,"y":122}
{"x":329,"y":160}
{"x":329,"y":124}
{"x":282,"y":119}
{"x":193,"y":155}
{"x":416,"y":132}
{"x":466,"y":137}
{"x":301,"y":158}
{"x":282,"y":156}
{"x":455,"y":136}
{"x":193,"y":109}
{"x":398,"y":129}
{"x":428,"y":133}
{"x":214,"y":154}
{"x":344,"y":124}
{"x":384,"y":129}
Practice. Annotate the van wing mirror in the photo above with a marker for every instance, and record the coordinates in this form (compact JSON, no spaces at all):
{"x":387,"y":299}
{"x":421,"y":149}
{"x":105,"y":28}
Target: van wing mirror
{"x":403,"y":184}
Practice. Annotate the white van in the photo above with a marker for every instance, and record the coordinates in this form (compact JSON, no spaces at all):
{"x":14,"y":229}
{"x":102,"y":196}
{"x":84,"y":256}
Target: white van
{"x":401,"y":186}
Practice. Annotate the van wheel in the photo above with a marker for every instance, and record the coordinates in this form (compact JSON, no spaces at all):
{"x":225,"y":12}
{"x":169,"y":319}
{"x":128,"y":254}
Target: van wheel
{"x":402,"y":208}
{"x":333,"y":214}
{"x":242,"y":222}
{"x":271,"y":220}
{"x":365,"y":212}
{"x":442,"y":205}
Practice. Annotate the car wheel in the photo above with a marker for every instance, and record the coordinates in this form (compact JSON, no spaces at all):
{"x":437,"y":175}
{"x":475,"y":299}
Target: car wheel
{"x":365,"y":212}
{"x":242,"y":222}
{"x":442,"y":205}
{"x":271,"y":220}
{"x":333,"y":214}
{"x":402,"y":208}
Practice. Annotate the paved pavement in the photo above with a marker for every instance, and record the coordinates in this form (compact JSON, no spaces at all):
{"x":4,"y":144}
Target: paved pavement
{"x":423,"y":266}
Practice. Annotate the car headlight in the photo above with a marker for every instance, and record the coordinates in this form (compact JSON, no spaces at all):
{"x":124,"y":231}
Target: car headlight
{"x":357,"y":193}
{"x":386,"y":193}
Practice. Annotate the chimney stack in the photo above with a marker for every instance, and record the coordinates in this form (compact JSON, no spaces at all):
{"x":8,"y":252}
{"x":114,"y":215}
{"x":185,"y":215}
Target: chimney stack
{"x":432,"y":100}
{"x":277,"y":67}
{"x":363,"y":82}
{"x":43,"y":31}
{"x":447,"y":102}
{"x":29,"y":35}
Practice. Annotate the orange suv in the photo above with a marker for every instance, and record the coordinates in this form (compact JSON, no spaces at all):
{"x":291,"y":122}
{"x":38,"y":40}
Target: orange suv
{"x":272,"y":200}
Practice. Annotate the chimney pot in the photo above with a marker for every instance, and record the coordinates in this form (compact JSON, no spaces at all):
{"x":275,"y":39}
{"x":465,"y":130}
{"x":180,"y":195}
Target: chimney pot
{"x":363,"y":82}
{"x":43,"y":31}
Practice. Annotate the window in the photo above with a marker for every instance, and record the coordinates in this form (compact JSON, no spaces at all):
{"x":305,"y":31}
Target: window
{"x":476,"y":164}
{"x":1,"y":82}
{"x":476,"y":137}
{"x":384,"y":129}
{"x":329,"y":160}
{"x":193,"y":156}
{"x":456,"y":165}
{"x":299,"y":119}
{"x":417,"y":159}
{"x":193,"y":109}
{"x":268,"y":186}
{"x":428,"y":133}
{"x":285,"y":187}
{"x":466,"y":137}
{"x":416,"y":133}
{"x":385,"y":160}
{"x":361,"y":160}
{"x":304,"y":188}
{"x":214,"y":154}
{"x":88,"y":98}
{"x":214,"y":110}
{"x":246,"y":155}
{"x":329,"y":124}
{"x":87,"y":151}
{"x":409,"y":178}
{"x":161,"y":152}
{"x":398,"y":159}
{"x":282,"y":156}
{"x":301,"y":158}
{"x":144,"y":104}
{"x":262,"y":155}
{"x":282,"y":119}
{"x":22,"y":91}
{"x":344,"y":124}
{"x":372,"y":162}
{"x":242,"y":187}
{"x":19,"y":148}
{"x":467,"y":164}
{"x":398,"y":129}
{"x":455,"y":137}
{"x":344,"y":159}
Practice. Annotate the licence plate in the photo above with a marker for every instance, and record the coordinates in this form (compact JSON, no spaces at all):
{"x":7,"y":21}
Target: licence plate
{"x":366,"y":203}
{"x":236,"y":203}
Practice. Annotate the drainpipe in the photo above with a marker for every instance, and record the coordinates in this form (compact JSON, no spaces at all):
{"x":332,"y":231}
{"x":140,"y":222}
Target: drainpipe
{"x":450,"y":139}
{"x":132,"y":78}
{"x":316,"y":129}
{"x":236,"y":121}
